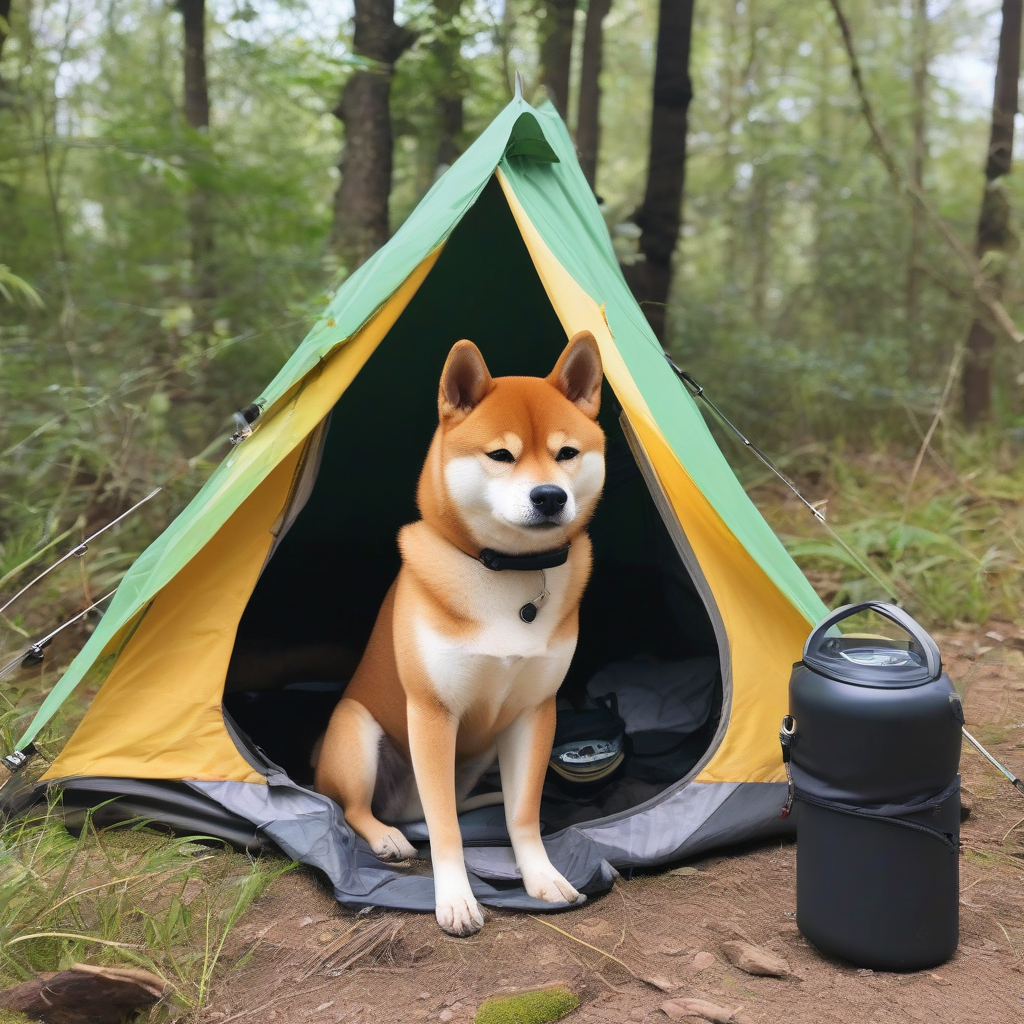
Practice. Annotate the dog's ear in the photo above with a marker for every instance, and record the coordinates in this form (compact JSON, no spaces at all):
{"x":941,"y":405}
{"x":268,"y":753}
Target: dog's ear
{"x":578,"y":373}
{"x":465,"y":382}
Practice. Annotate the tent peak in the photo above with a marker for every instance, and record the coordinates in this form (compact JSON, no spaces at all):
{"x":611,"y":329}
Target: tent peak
{"x":527,"y":140}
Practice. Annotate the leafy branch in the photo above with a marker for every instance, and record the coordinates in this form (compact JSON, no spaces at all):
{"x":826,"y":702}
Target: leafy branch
{"x":973,"y":266}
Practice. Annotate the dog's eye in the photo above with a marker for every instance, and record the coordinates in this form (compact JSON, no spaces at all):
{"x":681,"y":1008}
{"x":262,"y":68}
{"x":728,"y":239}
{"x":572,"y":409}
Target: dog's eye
{"x":501,"y":455}
{"x":566,"y":453}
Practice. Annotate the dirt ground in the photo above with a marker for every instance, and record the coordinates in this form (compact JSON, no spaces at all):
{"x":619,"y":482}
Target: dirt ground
{"x":299,"y":957}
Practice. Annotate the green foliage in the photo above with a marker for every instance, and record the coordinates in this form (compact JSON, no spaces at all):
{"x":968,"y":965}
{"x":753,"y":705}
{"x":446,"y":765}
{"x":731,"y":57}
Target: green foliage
{"x":538,"y":1007}
{"x":13,"y":288}
{"x":124,"y":896}
{"x":950,"y":549}
{"x":793,"y":292}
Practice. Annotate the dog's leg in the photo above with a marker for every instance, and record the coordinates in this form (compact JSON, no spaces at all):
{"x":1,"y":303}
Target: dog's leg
{"x":432,"y":732}
{"x":347,"y":773}
{"x":524,"y":749}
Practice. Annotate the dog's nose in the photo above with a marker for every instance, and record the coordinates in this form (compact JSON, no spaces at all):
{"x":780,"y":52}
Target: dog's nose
{"x":548,"y":499}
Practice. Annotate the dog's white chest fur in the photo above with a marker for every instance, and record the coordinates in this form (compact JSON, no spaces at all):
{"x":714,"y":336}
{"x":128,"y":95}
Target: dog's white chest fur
{"x":502,"y":662}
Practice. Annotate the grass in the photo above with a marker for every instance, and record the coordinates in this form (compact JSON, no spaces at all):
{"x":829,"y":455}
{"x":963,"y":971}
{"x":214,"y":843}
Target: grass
{"x":126,"y":896}
{"x":951,"y":547}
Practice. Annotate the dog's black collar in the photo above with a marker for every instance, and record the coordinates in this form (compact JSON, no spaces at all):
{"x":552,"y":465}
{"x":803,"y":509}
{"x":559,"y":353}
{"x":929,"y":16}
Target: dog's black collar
{"x":497,"y":561}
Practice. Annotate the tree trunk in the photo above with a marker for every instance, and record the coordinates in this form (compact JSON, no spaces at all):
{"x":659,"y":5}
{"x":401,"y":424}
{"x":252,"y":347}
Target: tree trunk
{"x":197,"y":116}
{"x":920,"y":151}
{"x":555,"y":31}
{"x":450,"y":95}
{"x":588,"y":118}
{"x":361,"y":224}
{"x":660,"y":216}
{"x":994,"y":232}
{"x":5,"y":15}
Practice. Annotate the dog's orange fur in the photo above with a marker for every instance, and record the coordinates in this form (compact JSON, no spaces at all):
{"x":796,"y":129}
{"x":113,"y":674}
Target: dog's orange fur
{"x":451,"y":675}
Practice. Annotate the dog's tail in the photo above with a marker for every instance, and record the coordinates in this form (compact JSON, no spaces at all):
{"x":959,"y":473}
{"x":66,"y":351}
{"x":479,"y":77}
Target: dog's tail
{"x":471,"y":803}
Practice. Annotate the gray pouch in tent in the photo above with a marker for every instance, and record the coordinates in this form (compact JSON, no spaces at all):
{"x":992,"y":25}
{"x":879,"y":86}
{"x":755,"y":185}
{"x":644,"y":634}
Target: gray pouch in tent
{"x":659,"y":696}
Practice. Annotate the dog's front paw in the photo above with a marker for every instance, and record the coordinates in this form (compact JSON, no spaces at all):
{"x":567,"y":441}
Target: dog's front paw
{"x":545,"y":883}
{"x":392,"y":845}
{"x":458,"y":913}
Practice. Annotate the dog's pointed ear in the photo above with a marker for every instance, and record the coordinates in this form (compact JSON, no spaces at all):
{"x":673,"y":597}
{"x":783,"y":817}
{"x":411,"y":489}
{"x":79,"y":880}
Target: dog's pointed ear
{"x":578,"y":373}
{"x":465,"y":382}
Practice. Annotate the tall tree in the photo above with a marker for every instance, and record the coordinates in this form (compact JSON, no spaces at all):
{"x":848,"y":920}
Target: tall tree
{"x":451,"y":89}
{"x":919,"y":107}
{"x":660,"y":215}
{"x":197,"y":116}
{"x":5,"y":22}
{"x":588,"y":117}
{"x":995,"y":238}
{"x":555,"y":32}
{"x":361,"y":224}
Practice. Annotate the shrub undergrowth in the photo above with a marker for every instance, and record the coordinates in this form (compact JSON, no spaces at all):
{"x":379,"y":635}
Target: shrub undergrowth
{"x":949,"y":546}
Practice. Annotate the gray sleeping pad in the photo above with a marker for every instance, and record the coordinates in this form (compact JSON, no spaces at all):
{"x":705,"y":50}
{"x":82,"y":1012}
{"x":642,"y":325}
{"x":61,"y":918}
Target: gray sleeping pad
{"x":311,"y":828}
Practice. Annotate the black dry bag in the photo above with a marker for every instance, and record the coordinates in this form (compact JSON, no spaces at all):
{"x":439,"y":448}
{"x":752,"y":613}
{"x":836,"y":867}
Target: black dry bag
{"x":873,"y":741}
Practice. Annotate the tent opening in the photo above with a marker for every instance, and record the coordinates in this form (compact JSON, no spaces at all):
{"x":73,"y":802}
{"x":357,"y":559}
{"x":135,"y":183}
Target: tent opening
{"x":645,"y":634}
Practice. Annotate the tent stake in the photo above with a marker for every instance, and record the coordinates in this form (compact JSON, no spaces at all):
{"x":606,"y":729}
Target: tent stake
{"x":1017,"y":784}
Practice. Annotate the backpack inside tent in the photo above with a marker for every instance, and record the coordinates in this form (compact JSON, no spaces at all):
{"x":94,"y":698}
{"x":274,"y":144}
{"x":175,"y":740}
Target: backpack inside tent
{"x":231,"y":639}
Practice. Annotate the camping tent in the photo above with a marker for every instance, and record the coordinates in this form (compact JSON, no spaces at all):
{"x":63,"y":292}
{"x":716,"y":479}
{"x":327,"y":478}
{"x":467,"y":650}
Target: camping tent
{"x":280,"y":548}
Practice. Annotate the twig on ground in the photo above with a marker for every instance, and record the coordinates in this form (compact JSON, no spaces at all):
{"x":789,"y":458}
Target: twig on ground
{"x":1010,"y":858}
{"x":360,"y":940}
{"x":604,"y":980}
{"x":1011,"y":828}
{"x":271,"y":1002}
{"x":1009,"y":941}
{"x":597,"y":949}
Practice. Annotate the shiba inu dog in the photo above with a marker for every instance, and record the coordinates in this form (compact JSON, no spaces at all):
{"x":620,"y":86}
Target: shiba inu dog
{"x":477,"y":632}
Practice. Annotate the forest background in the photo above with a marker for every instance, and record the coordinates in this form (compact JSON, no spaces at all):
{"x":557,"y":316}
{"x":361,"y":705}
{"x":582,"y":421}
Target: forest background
{"x":171,"y":224}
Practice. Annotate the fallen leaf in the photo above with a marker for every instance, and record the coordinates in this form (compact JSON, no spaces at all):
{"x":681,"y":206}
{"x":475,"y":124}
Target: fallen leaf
{"x":998,"y":637}
{"x":677,"y":1009}
{"x":703,"y":960}
{"x":755,"y":960}
{"x":662,"y":984}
